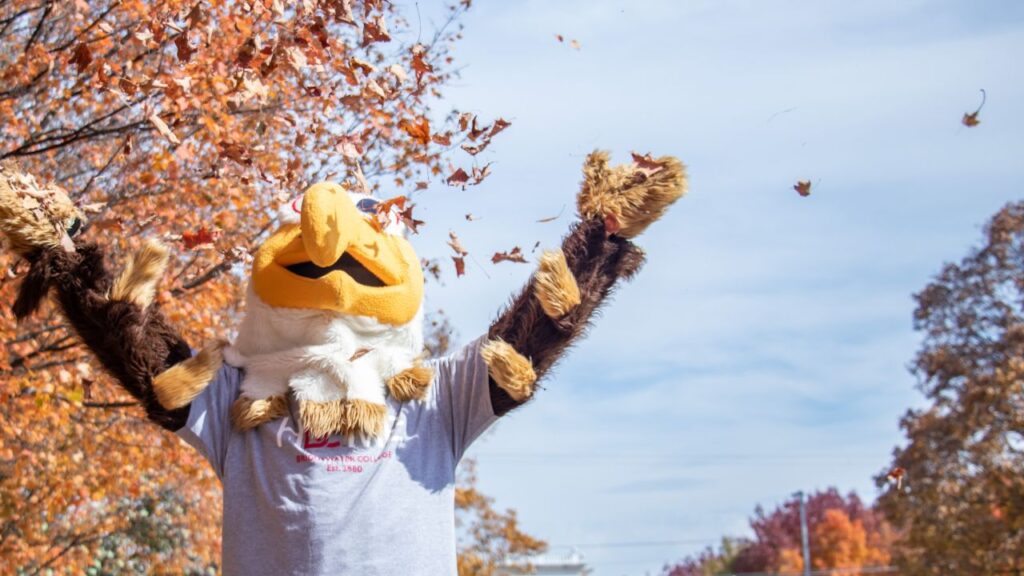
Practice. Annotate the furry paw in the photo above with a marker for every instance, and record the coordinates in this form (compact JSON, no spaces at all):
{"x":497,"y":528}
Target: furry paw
{"x":629,"y":197}
{"x":181,"y":383}
{"x":248,"y":413}
{"x":512,"y":371}
{"x":411,"y":383}
{"x":34,"y":216}
{"x":555,"y":286}
{"x":137,"y":283}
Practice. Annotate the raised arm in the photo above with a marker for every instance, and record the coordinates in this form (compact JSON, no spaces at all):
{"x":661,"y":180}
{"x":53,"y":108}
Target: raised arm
{"x":555,"y":308}
{"x":116,"y":318}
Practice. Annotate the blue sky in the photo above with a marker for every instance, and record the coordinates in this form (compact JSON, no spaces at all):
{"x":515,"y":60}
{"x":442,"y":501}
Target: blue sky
{"x":764,"y":347}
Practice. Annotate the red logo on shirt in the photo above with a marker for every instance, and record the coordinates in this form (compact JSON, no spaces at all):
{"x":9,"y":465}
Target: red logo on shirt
{"x":309,"y":442}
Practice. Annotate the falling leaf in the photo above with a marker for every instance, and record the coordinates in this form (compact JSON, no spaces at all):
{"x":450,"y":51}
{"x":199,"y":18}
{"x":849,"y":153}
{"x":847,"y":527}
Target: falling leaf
{"x":970,"y":119}
{"x":803,"y":187}
{"x":552,"y":218}
{"x":202,"y":237}
{"x":398,"y":72}
{"x":575,"y":44}
{"x":460,"y":265}
{"x":163,"y":129}
{"x":418,"y":130}
{"x":351,"y":147}
{"x":453,"y":241}
{"x":410,"y":222}
{"x":81,"y":57}
{"x":474,"y":150}
{"x":896,"y":475}
{"x":647,"y":165}
{"x":560,"y":38}
{"x":418,"y":63}
{"x":362,"y":65}
{"x":458,"y":178}
{"x":470,"y":217}
{"x":296,"y":57}
{"x":375,"y":30}
{"x":475,"y":132}
{"x":515,"y":255}
{"x":185,"y":51}
{"x":499,"y":125}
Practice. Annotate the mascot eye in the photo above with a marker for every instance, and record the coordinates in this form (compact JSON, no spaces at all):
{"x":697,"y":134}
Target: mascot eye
{"x":367,"y":205}
{"x":74,"y":226}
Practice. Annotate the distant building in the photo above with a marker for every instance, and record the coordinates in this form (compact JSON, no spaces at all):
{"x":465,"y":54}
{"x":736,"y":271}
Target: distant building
{"x":545,"y":565}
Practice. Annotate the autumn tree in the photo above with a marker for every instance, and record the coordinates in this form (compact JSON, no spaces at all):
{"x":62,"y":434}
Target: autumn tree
{"x":190,"y":122}
{"x":843,"y":533}
{"x":960,"y":498}
{"x":487,"y":537}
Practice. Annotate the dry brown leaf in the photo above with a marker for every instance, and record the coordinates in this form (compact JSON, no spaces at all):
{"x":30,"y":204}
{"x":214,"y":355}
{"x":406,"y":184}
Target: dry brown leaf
{"x":185,"y":50}
{"x":350,"y":146}
{"x":375,"y":30}
{"x":460,"y":265}
{"x":575,"y":44}
{"x":81,"y":57}
{"x":970,"y":119}
{"x":514,"y":255}
{"x":453,"y":241}
{"x":458,"y":178}
{"x":646,"y":164}
{"x":202,"y":237}
{"x":803,"y":187}
{"x":552,"y":218}
{"x":163,"y":129}
{"x":296,"y":57}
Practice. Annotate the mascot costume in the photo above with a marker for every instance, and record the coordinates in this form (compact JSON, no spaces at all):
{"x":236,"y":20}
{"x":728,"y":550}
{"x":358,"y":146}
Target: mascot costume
{"x":336,"y":440}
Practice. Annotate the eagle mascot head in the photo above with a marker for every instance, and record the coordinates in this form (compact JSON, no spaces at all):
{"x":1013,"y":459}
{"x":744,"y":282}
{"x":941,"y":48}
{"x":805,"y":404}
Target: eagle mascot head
{"x":333,"y":317}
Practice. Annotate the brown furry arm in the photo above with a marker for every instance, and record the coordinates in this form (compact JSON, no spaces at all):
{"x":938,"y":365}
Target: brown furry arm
{"x":597,"y":261}
{"x":553,"y":311}
{"x":133,"y":343}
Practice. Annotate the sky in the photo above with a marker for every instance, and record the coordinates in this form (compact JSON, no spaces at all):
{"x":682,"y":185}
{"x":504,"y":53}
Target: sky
{"x":764,"y":348}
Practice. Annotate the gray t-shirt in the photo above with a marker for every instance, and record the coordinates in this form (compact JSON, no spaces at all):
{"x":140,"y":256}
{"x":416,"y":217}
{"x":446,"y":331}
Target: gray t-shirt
{"x":300,"y":505}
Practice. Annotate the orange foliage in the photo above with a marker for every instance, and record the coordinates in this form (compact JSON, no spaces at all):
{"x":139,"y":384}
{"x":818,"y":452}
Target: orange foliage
{"x":487,"y":537}
{"x":191,"y":122}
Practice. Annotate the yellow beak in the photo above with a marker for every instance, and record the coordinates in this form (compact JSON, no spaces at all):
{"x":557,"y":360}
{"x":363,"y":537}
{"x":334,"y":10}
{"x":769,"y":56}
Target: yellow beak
{"x":334,"y":259}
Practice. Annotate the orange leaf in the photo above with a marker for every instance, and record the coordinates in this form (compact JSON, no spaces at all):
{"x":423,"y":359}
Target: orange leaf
{"x":201,"y":237}
{"x":419,"y":131}
{"x":375,"y":30}
{"x":803,"y":187}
